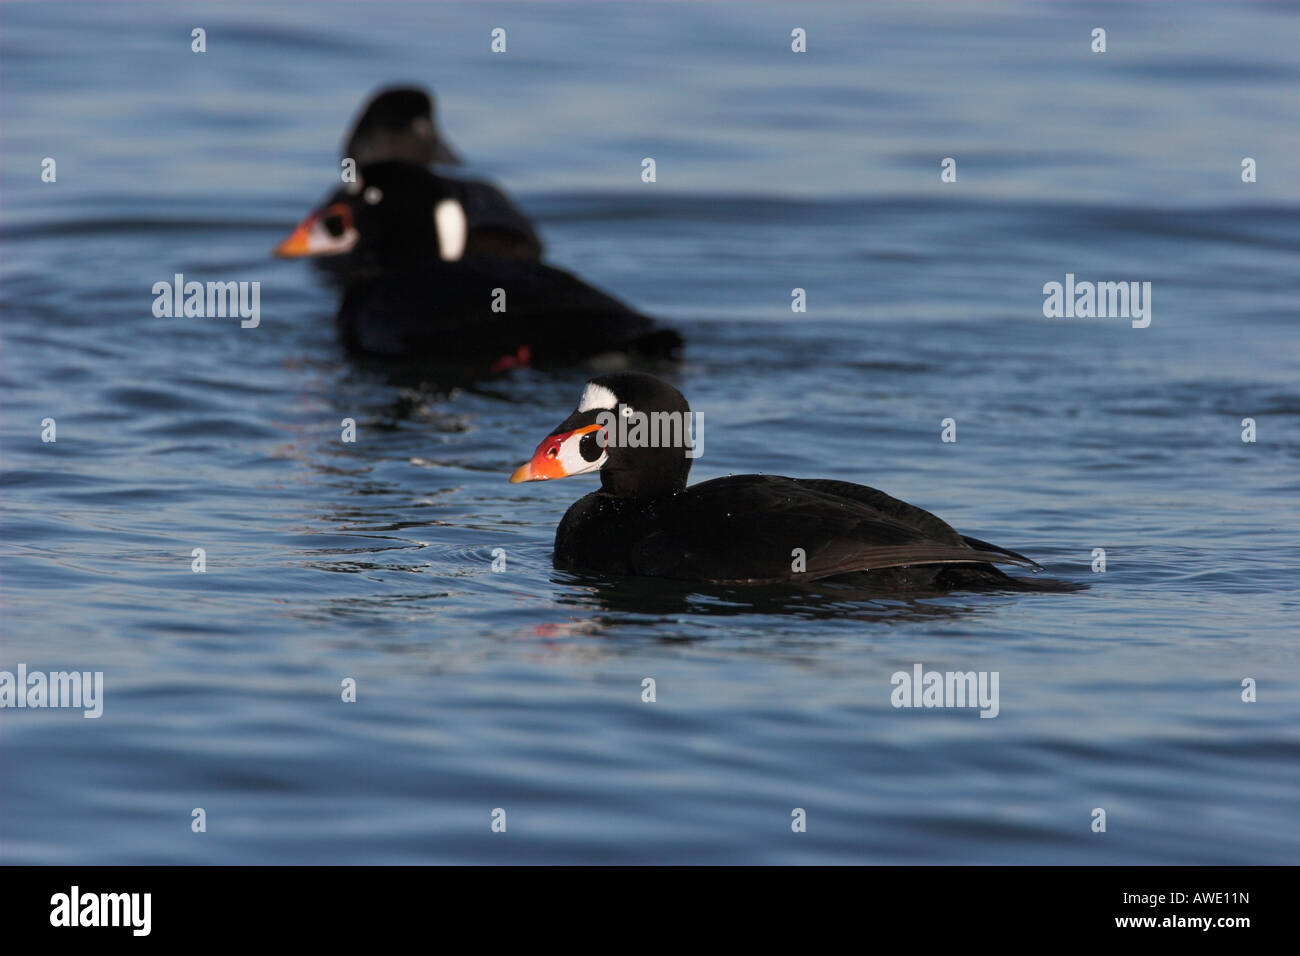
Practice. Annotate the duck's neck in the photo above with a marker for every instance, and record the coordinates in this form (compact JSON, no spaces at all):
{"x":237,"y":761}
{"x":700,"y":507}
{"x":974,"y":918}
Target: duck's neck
{"x":645,"y":479}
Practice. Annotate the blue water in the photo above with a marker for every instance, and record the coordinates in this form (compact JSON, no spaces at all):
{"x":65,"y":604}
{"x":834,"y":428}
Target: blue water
{"x":521,"y":690}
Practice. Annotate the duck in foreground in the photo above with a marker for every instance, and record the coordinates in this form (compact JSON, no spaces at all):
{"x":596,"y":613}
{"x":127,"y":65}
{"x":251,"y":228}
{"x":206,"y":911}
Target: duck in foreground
{"x":414,"y":290}
{"x":742,"y":529}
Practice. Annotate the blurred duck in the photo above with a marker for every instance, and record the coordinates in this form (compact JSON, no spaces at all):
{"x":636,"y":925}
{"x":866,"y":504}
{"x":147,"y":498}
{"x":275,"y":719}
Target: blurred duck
{"x":414,"y":288}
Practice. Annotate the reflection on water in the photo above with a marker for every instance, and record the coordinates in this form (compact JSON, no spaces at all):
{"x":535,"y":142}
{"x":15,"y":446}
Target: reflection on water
{"x":851,"y":598}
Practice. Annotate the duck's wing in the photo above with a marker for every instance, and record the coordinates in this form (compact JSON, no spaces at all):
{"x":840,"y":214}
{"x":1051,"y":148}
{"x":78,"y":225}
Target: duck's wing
{"x":766,"y":528}
{"x":913,"y":516}
{"x":446,"y":310}
{"x":497,"y":229}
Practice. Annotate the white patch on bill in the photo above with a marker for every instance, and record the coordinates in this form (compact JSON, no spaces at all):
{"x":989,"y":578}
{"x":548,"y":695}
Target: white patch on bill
{"x":570,"y":457}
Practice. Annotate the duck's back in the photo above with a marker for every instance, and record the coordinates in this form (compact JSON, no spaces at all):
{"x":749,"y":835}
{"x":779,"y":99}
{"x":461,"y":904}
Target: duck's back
{"x":483,"y":308}
{"x":496,"y":227}
{"x":763,"y":529}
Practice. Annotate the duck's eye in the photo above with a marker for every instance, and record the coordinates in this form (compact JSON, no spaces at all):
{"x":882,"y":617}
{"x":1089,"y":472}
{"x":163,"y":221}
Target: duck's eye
{"x":336,"y":220}
{"x":373,"y":195}
{"x":590,"y":447}
{"x":552,"y":451}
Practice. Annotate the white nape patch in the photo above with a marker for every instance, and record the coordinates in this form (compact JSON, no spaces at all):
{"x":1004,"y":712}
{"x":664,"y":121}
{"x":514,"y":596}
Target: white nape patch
{"x":453,"y":229}
{"x":597,"y":396}
{"x":373,"y":195}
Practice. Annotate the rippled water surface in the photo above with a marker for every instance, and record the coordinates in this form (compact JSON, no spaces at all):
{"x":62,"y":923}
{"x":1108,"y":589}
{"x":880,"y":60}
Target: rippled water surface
{"x":521,"y":690}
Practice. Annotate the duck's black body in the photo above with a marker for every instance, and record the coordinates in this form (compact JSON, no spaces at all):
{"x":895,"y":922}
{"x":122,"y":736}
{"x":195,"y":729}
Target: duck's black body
{"x":443,"y":310}
{"x":742,"y":529}
{"x":750,"y":528}
{"x":497,"y":229}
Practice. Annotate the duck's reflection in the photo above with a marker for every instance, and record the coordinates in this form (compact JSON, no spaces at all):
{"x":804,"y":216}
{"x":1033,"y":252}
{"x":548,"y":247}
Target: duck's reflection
{"x":850,"y":597}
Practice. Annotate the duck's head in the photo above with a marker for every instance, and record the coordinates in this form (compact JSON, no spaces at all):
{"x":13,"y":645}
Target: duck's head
{"x":398,"y":123}
{"x":601,"y":435}
{"x":395,"y":214}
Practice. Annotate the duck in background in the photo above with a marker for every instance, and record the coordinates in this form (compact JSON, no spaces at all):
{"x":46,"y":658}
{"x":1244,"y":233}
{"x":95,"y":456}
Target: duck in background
{"x":399,"y":124}
{"x":741,"y":529}
{"x":415,"y":288}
